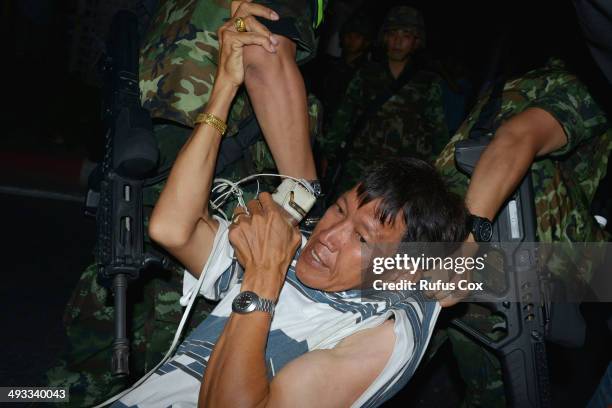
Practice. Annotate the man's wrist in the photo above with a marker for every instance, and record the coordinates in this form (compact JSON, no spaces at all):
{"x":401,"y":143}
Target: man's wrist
{"x":224,"y":87}
{"x":220,"y":100}
{"x":265,"y":283}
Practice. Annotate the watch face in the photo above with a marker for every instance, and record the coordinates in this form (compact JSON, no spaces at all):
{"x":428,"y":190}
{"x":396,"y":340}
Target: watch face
{"x":486,"y":231}
{"x":245,"y":302}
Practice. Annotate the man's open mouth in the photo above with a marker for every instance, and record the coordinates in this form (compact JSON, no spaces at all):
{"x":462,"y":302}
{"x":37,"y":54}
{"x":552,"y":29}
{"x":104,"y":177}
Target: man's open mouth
{"x":315,"y":256}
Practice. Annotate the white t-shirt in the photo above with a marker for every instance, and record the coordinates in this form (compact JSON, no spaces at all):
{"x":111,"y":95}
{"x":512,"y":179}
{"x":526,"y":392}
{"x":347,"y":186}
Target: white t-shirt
{"x":305,"y":319}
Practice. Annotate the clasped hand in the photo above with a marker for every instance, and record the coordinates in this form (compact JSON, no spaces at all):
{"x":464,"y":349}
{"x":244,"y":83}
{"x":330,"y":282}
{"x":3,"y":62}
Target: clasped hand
{"x":264,"y":240}
{"x":232,"y":42}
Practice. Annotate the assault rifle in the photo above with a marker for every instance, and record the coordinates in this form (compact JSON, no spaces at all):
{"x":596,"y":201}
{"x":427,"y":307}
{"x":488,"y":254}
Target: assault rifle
{"x":131,"y":154}
{"x":523,"y":305}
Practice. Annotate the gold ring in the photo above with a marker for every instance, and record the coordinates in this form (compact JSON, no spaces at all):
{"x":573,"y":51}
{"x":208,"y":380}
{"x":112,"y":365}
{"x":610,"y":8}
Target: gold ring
{"x":240,"y":25}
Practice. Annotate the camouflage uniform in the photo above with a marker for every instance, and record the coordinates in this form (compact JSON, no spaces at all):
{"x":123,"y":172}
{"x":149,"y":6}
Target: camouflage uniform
{"x":409,"y":123}
{"x":564,"y":184}
{"x":177,"y":69}
{"x":338,"y":72}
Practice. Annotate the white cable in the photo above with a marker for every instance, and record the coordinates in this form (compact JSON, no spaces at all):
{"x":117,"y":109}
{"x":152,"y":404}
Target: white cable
{"x":228,"y":187}
{"x":219,"y":184}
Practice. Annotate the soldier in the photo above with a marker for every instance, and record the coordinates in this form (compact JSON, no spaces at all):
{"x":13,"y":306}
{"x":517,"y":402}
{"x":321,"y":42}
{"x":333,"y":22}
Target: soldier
{"x":548,"y":115}
{"x":355,"y":40}
{"x":396,"y":105}
{"x":177,"y":66}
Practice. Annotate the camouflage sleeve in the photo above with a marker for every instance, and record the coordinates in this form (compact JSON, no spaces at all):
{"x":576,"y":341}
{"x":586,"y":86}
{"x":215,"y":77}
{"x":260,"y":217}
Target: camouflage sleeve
{"x":456,"y":181}
{"x":344,"y":119}
{"x":435,"y":119}
{"x":574,"y":108}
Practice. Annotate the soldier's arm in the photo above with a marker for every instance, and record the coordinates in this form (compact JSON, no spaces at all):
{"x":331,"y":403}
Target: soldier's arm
{"x":527,"y":135}
{"x":180,"y":221}
{"x":559,"y":119}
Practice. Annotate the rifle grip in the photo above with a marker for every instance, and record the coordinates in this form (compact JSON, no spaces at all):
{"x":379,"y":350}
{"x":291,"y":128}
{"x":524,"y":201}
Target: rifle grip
{"x":522,"y":389}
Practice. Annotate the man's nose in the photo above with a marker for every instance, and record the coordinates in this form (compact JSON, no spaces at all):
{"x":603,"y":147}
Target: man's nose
{"x":335,"y":235}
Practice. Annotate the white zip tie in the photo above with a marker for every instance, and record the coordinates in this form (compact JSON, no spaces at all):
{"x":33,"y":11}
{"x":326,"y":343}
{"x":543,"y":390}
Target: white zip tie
{"x":228,"y":187}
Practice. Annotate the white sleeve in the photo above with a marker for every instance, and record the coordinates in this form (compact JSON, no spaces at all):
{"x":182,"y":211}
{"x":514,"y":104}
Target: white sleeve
{"x":219,"y":275}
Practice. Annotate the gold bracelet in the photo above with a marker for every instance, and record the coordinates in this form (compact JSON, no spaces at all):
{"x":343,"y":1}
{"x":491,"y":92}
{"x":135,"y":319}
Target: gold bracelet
{"x":213,"y":121}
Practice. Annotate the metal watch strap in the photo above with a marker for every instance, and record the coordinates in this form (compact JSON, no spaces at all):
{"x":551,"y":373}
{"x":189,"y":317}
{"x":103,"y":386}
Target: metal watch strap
{"x":265,"y":305}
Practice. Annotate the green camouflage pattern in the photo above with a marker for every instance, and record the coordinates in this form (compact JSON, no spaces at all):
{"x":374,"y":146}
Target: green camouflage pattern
{"x":564,"y":184}
{"x":566,"y":180}
{"x":479,"y":368}
{"x":410,"y":123}
{"x":178,"y":60}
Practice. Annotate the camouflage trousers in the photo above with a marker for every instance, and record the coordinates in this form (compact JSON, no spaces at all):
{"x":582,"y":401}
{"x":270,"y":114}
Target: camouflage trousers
{"x":480,"y":370}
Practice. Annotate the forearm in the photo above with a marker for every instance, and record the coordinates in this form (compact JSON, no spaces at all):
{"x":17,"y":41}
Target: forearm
{"x":498,"y":173}
{"x":238,"y":359}
{"x":184,"y":199}
{"x":277,"y":91}
{"x":504,"y":163}
{"x":236,"y":373}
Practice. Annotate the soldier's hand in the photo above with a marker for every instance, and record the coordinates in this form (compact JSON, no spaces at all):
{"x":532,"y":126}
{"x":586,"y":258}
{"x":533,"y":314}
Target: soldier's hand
{"x":248,"y":10}
{"x":231,"y":45}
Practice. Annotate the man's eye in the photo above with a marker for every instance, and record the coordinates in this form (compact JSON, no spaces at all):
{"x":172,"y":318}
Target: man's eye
{"x":339,"y":209}
{"x":361,"y":239}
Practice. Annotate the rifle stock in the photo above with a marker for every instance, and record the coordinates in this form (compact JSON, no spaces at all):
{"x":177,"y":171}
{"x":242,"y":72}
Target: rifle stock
{"x":522,"y":351}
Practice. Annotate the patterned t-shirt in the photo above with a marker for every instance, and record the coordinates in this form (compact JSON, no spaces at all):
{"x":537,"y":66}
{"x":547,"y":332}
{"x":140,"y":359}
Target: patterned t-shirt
{"x":305,"y":319}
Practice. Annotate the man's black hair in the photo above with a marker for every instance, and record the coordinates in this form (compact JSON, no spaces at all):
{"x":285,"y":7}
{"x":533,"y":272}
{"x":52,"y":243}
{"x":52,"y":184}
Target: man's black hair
{"x":413,"y":187}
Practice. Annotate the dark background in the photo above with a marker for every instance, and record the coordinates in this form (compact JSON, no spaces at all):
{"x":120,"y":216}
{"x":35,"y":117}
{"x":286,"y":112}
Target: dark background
{"x":51,"y":129}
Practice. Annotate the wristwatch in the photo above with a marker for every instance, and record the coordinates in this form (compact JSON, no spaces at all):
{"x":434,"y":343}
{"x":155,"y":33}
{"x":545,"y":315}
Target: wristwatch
{"x":316,"y":187}
{"x":247,"y":302}
{"x":482,"y":228}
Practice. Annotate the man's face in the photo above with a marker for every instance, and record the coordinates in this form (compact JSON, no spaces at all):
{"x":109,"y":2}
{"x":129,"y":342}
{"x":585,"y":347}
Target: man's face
{"x":331,"y":259}
{"x":353,"y":43}
{"x":400,"y":44}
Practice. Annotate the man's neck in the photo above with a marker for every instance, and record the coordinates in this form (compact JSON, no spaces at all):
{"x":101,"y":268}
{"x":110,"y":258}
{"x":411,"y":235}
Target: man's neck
{"x":397,"y":67}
